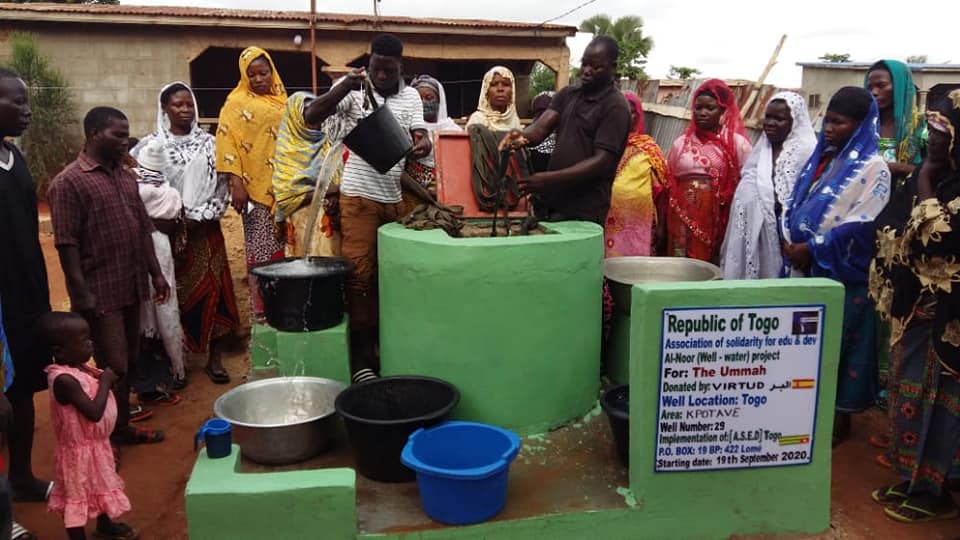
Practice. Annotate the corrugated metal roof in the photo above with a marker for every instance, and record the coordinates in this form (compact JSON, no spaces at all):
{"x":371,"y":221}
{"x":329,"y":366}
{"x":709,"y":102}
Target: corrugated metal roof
{"x":246,"y":14}
{"x":866,"y":65}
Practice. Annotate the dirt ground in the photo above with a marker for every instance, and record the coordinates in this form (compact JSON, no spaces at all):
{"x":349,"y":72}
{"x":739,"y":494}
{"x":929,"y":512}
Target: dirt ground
{"x":156,"y":475}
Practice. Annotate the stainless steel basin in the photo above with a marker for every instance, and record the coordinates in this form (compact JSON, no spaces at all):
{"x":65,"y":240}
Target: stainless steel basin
{"x":625,"y":272}
{"x":281,"y":420}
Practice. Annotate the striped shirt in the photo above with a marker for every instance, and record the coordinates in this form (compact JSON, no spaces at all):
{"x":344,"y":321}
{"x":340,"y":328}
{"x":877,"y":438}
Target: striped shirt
{"x":359,"y":178}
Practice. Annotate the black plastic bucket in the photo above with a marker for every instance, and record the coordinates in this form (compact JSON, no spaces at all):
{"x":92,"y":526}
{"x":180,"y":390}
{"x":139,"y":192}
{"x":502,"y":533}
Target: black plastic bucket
{"x":378,"y":138}
{"x":303,"y":296}
{"x":381,"y":414}
{"x":616,"y":403}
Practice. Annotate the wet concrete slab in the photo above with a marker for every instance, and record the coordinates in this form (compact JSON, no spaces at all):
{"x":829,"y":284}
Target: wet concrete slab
{"x":572,"y":469}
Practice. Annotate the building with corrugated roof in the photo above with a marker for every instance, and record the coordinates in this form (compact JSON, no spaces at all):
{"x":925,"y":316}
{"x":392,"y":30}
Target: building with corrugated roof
{"x":121,"y":55}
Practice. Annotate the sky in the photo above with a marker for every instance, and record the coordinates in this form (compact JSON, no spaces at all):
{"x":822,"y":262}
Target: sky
{"x":732,"y":40}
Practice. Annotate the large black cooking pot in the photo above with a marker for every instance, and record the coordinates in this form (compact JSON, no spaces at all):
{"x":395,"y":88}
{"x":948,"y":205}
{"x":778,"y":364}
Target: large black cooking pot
{"x":303,"y":295}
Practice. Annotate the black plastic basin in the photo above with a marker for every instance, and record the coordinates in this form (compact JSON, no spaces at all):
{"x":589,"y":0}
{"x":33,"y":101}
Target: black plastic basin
{"x":381,"y":414}
{"x":303,"y":295}
{"x":616,"y":403}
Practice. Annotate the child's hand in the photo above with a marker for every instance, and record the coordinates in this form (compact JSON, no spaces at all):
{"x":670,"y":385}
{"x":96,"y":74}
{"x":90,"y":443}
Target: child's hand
{"x":108,"y":377}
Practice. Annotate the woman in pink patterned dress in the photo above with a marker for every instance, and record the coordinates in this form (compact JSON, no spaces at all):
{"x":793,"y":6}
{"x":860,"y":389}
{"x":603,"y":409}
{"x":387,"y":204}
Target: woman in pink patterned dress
{"x":83,"y":413}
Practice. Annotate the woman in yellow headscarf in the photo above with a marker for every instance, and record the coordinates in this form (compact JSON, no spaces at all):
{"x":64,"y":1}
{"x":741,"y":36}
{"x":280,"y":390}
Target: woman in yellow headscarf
{"x":246,"y":138}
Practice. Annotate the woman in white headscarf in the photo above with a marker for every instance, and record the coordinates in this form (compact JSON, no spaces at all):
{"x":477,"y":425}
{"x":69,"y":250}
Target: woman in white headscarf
{"x":208,"y":306}
{"x":751,"y":248}
{"x":497,"y":106}
{"x":422,"y":171}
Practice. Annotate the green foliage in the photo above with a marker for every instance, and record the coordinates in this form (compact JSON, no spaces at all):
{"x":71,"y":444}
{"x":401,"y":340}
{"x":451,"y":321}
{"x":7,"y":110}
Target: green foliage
{"x":574,"y":74}
{"x":628,"y":33}
{"x":46,"y":142}
{"x":683,"y":73}
{"x":542,"y":79}
{"x":835,"y":58}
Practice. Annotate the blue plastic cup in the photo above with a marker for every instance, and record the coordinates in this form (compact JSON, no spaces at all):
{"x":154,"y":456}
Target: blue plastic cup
{"x":215,"y":434}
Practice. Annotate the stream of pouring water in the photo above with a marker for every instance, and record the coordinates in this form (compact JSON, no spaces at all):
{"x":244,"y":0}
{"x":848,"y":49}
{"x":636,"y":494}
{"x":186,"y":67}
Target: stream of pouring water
{"x":330,"y":164}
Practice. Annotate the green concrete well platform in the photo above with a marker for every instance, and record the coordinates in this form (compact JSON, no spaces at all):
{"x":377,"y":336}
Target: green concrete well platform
{"x":323,"y":353}
{"x":513,"y":322}
{"x":567,"y":484}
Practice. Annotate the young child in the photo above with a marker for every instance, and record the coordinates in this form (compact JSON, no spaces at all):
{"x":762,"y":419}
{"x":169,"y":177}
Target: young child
{"x":83,"y":413}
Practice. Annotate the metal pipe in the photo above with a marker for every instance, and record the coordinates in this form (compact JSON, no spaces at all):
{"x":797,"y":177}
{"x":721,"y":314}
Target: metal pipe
{"x":313,"y":45}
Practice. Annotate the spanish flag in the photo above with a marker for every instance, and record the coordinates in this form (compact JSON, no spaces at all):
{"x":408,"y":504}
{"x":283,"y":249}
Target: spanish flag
{"x":799,"y":384}
{"x":789,"y":440}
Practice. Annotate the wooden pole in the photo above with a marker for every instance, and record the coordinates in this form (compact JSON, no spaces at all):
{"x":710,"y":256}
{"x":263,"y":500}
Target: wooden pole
{"x":313,"y":45}
{"x":755,"y":91}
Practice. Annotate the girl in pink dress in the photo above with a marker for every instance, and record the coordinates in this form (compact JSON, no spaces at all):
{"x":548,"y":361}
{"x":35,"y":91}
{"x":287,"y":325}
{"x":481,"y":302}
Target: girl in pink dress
{"x":83,"y":413}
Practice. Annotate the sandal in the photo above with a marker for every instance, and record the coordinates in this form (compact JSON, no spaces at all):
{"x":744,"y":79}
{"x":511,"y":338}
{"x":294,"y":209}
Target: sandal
{"x":894,"y":494}
{"x":914,"y":510}
{"x":26,"y":496}
{"x":117,"y":531}
{"x":217,"y":376}
{"x":134,"y":435}
{"x":139,"y":413}
{"x":159,"y":397}
{"x":883,"y":460}
{"x":881,"y":441}
{"x":19,"y":532}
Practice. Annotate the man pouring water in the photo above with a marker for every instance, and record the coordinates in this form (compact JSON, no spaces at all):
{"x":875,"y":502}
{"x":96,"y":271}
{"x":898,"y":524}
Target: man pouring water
{"x":368,"y":198}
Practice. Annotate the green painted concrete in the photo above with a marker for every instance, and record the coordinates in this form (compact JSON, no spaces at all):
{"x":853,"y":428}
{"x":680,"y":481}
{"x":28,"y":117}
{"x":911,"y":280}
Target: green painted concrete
{"x":513,"y":322}
{"x":224,"y":504}
{"x":716,"y":504}
{"x":324,"y":353}
{"x":617,"y":354}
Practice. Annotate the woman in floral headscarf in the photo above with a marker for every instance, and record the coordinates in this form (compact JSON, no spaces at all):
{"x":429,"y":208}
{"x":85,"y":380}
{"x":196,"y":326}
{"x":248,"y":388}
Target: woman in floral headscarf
{"x":751,"y":248}
{"x":914,"y":280}
{"x":246,"y":137}
{"x":704,"y":169}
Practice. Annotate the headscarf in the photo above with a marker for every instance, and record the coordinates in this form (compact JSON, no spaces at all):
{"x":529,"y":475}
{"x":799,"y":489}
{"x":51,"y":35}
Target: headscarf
{"x":751,"y":248}
{"x":487,"y":115}
{"x":834,"y":213}
{"x":634,"y":101}
{"x":191,"y":164}
{"x":731,"y":125}
{"x":298,"y":158}
{"x":248,"y":129}
{"x":444,"y":122}
{"x":908,"y":121}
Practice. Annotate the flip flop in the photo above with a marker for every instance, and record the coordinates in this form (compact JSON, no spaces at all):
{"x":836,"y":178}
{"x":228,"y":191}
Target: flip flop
{"x":134,"y":435}
{"x":881,"y":441}
{"x":217,"y":377}
{"x":139,"y":413}
{"x":19,"y":532}
{"x":160,"y":398}
{"x":118,"y":531}
{"x":883,"y":460}
{"x":915,"y":513}
{"x":19,"y":496}
{"x":893,"y":494}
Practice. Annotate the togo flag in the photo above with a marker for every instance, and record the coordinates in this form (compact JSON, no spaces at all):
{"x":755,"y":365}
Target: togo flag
{"x":789,"y":440}
{"x":802,"y":383}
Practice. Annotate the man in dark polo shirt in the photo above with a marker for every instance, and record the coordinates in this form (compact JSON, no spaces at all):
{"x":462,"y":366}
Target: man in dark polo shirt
{"x":592,"y":121}
{"x":102,"y":233}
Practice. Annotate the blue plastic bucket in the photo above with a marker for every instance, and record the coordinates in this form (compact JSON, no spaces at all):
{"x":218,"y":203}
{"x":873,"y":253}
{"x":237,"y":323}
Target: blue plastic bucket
{"x":462,"y":470}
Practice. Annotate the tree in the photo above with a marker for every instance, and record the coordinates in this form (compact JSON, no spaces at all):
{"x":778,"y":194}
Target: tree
{"x":683,"y":73}
{"x":542,"y":79}
{"x":628,"y":33}
{"x":47,"y":142}
{"x":917,"y":59}
{"x":835,"y":58}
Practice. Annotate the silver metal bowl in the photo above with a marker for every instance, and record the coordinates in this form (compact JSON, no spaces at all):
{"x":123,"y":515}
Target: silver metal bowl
{"x":625,"y":272}
{"x":281,"y":420}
